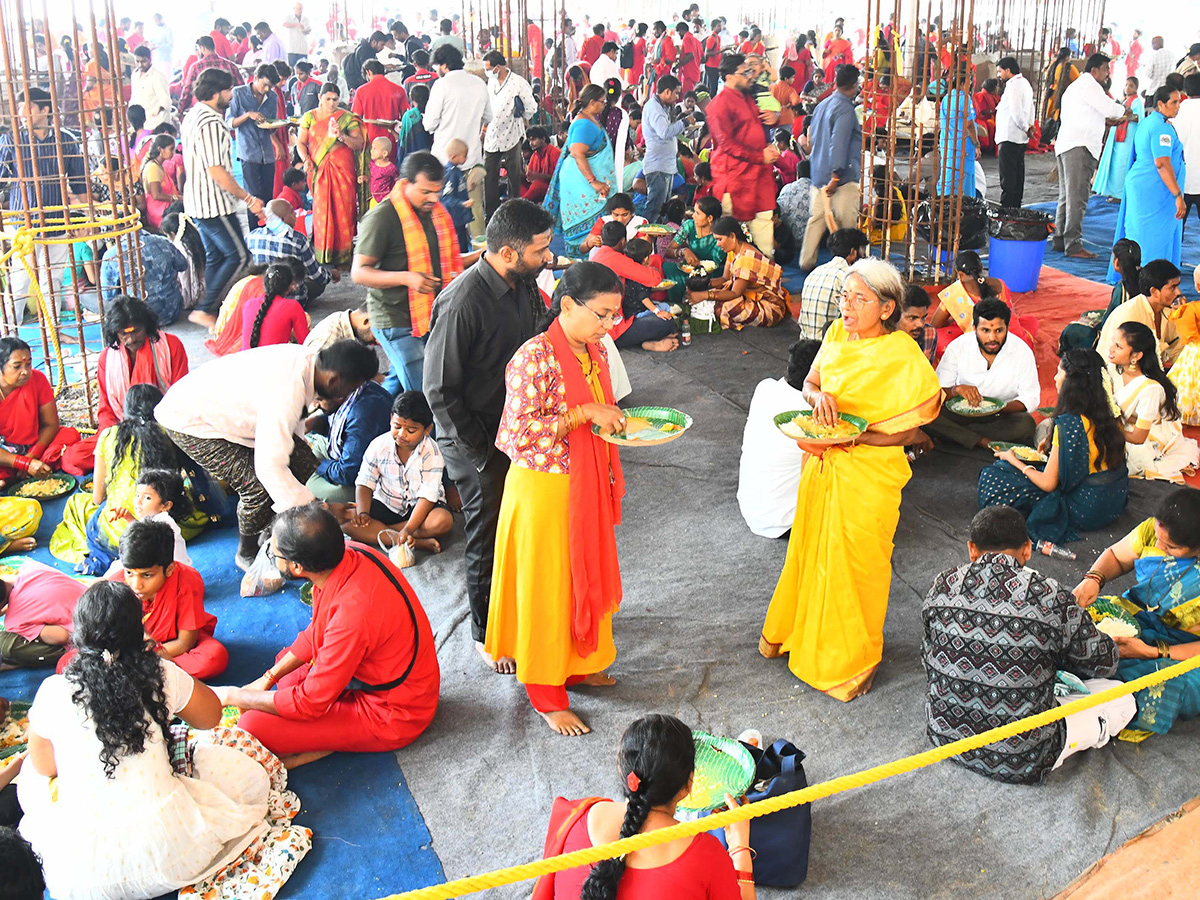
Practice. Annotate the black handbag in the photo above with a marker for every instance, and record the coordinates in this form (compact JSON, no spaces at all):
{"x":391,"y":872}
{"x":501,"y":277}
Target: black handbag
{"x":781,"y":839}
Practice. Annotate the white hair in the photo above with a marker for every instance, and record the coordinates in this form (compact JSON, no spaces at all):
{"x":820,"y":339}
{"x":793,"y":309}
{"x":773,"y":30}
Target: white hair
{"x":884,"y":281}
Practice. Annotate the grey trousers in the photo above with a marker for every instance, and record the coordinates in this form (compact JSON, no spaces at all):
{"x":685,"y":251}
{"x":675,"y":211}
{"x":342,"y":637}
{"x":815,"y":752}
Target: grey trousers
{"x":1075,"y":170}
{"x":1015,"y":428}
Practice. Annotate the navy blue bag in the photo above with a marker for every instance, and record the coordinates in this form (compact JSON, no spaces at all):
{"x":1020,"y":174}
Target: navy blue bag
{"x":780,"y":840}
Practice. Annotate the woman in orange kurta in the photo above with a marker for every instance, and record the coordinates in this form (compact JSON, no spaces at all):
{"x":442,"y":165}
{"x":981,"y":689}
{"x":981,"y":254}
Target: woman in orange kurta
{"x":556,"y":582}
{"x":828,"y":609}
{"x":838,"y":51}
{"x":329,"y":142}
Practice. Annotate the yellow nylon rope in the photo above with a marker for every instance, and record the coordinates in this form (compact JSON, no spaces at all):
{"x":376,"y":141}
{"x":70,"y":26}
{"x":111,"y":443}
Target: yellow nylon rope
{"x":25,"y":238}
{"x":527,"y":871}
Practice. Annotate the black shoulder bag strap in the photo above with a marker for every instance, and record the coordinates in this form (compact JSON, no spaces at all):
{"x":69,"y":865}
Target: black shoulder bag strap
{"x":355,"y":684}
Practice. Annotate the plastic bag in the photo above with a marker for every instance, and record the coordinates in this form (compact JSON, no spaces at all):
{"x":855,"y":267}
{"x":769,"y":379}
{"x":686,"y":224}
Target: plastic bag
{"x":399,"y":552}
{"x":1012,"y":224}
{"x":262,"y":577}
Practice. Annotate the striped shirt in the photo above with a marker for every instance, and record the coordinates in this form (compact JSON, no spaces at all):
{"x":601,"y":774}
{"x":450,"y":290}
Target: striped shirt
{"x":43,"y":154}
{"x":207,"y":141}
{"x":399,"y":486}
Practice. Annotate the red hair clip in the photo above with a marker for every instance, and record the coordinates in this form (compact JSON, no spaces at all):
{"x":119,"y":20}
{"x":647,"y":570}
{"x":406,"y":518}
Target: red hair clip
{"x":633,"y":781}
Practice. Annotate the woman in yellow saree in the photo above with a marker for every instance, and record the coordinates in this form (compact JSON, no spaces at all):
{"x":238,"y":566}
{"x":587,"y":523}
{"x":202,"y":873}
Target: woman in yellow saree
{"x":330,"y":141}
{"x":829,"y":605}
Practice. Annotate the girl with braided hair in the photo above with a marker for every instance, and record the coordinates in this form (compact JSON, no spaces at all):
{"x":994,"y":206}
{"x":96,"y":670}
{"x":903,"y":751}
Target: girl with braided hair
{"x":657,"y":761}
{"x":276,"y":318}
{"x":119,"y":822}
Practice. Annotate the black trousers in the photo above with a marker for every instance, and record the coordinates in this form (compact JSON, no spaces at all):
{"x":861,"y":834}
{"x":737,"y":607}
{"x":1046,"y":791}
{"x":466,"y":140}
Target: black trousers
{"x":480,"y":492}
{"x":1189,"y":201}
{"x":1012,"y":173}
{"x":259,"y":180}
{"x":492,"y":161}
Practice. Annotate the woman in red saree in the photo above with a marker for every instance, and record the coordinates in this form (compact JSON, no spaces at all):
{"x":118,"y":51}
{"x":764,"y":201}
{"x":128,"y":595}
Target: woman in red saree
{"x":329,"y":142}
{"x":986,"y":101}
{"x":838,"y":51}
{"x":31,"y":440}
{"x":556,"y":581}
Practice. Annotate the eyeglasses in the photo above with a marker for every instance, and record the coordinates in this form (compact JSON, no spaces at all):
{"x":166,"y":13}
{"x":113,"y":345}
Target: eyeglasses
{"x":272,"y":557}
{"x":848,"y":302}
{"x":607,"y":321}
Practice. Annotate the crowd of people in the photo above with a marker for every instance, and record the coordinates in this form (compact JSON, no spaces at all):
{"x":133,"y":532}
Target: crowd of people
{"x":689,"y":171}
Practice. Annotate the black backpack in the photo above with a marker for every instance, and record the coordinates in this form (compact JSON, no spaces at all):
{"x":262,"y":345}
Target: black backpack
{"x":626,"y":60}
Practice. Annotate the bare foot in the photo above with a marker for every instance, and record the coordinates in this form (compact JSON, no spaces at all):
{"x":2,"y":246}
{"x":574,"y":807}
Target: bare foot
{"x":296,"y":760}
{"x":430,"y":545}
{"x":22,"y":545}
{"x":666,"y":345}
{"x":505,"y":665}
{"x":565,"y":722}
{"x":200,"y":317}
{"x":599,"y":679}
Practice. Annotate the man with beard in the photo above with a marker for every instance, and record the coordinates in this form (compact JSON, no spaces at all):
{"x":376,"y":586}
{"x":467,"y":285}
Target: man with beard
{"x":479,"y":322}
{"x":210,"y":194}
{"x":742,"y":159}
{"x":914,"y":310}
{"x":407,"y":253}
{"x":987,"y":364}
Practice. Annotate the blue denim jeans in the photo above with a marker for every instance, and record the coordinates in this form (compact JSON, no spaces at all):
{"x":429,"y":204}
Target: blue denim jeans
{"x":658,"y":188}
{"x":407,"y":356}
{"x":225,"y":254}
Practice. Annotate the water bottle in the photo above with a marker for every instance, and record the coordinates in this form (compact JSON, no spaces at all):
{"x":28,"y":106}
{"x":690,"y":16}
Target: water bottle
{"x":685,"y":333}
{"x":1048,"y":549}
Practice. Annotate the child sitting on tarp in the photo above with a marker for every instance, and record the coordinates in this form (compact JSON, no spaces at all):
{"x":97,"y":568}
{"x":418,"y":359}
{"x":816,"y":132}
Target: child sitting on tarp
{"x":38,"y":605}
{"x":619,"y":208}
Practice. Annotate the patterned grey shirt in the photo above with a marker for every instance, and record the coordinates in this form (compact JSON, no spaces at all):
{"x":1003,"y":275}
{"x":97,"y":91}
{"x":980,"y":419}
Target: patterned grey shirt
{"x":995,"y":634}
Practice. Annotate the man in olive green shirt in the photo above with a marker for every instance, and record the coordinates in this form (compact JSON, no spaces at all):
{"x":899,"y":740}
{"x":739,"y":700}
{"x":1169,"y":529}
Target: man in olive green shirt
{"x":381,"y":265}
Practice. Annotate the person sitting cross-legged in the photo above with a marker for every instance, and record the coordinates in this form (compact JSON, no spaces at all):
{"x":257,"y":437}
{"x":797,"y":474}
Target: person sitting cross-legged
{"x":278,"y":239}
{"x":988,"y":363}
{"x":399,"y":488}
{"x":823,"y":285}
{"x":994,"y":607}
{"x":363,"y":676}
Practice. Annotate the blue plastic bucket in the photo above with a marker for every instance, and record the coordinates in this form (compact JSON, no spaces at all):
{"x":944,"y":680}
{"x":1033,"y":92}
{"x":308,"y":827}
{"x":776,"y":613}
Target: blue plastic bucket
{"x":1017,"y":263}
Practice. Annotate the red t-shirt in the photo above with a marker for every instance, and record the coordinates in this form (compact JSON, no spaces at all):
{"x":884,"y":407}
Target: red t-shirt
{"x":284,"y":318}
{"x":590,"y":51}
{"x":691,"y":71}
{"x":178,"y":606}
{"x":712,"y":51}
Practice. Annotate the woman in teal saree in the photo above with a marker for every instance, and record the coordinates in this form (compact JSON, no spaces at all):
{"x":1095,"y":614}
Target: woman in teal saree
{"x":583,"y":178}
{"x":1163,"y":554}
{"x":1085,"y":483}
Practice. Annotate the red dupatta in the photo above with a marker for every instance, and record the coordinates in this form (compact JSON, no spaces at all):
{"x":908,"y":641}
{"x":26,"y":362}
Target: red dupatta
{"x":594,"y":509}
{"x":19,"y":419}
{"x":1123,"y":128}
{"x":564,"y":815}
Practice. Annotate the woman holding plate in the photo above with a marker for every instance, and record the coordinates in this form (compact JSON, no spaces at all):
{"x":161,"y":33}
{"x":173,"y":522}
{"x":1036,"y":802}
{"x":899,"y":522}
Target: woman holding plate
{"x":584,"y":176}
{"x":750,"y":291}
{"x":329,"y":143}
{"x":829,"y":605}
{"x":1085,"y":482}
{"x":556,"y":581}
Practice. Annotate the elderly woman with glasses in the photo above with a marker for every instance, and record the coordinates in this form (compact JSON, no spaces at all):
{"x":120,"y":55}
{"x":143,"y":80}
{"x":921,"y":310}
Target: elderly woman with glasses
{"x":750,"y":291}
{"x":556,"y":582}
{"x":831,"y":599}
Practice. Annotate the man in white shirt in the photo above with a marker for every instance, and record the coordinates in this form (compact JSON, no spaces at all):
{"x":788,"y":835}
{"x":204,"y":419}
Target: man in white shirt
{"x":149,"y":89}
{"x":458,"y":107}
{"x":569,"y":49}
{"x":1187,"y":126}
{"x":254,"y":440}
{"x":1014,"y":121}
{"x":295,"y":35}
{"x":512,"y":105}
{"x":769,"y":471}
{"x":605,"y":66}
{"x":1156,"y":67}
{"x":1085,"y":109}
{"x":988,"y":363}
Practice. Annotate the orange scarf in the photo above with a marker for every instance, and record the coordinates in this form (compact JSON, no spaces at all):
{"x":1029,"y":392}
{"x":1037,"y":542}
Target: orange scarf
{"x":420,"y":303}
{"x":594,"y":508}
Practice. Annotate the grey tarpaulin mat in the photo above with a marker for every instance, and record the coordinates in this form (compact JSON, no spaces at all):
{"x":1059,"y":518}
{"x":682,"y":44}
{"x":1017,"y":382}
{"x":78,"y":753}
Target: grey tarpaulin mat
{"x":697,"y":584}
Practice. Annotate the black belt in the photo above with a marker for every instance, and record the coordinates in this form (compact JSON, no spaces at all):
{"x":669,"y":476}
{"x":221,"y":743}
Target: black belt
{"x":357,"y":685}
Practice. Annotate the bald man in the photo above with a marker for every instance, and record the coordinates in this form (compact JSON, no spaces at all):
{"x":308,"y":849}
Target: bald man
{"x":278,"y":239}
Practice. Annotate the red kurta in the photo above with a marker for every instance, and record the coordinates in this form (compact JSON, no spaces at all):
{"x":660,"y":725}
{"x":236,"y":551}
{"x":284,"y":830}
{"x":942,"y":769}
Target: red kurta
{"x":142,"y":373}
{"x":222,"y":44}
{"x":361,"y":628}
{"x":380,"y":99}
{"x":590,"y":51}
{"x":737,"y":158}
{"x":689,"y":74}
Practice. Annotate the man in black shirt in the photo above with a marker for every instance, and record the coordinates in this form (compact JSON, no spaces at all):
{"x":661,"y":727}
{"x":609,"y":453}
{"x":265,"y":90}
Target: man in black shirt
{"x":479,"y":321}
{"x":352,"y":65}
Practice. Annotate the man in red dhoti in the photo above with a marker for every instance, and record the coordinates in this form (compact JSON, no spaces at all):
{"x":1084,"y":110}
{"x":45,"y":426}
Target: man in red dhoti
{"x":741,"y":158}
{"x":135,"y":352}
{"x":363,"y":677}
{"x":379,"y":99}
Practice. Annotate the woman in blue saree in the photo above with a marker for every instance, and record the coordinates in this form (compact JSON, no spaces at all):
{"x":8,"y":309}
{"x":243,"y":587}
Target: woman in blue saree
{"x":584,"y":175}
{"x":1163,"y":554}
{"x":1084,"y":485}
{"x":957,"y":141}
{"x":1153,"y":209}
